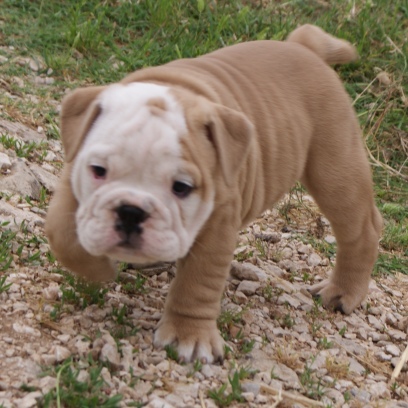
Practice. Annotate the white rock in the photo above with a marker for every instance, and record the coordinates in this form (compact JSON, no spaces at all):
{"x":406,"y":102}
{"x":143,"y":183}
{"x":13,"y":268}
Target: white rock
{"x":23,"y":329}
{"x":50,"y":156}
{"x":47,"y":383}
{"x":397,"y":335}
{"x":18,"y":81}
{"x":314,"y":259}
{"x":52,"y":291}
{"x":157,"y":402}
{"x":383,"y":356}
{"x":304,"y":249}
{"x":287,"y":253}
{"x":30,"y":400}
{"x":3,"y":59}
{"x":273,"y":270}
{"x":287,"y":299}
{"x":21,"y":181}
{"x":83,"y":376}
{"x":61,"y":353}
{"x":248,"y":287}
{"x":380,"y":390}
{"x":5,"y":162}
{"x":110,"y":354}
{"x":248,"y":396}
{"x":393,"y":350}
{"x":240,"y":298}
{"x":330,"y":239}
{"x":247,"y":271}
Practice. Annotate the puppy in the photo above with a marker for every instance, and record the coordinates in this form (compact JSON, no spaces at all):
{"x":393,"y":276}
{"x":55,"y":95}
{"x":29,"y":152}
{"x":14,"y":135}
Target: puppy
{"x":171,"y":162}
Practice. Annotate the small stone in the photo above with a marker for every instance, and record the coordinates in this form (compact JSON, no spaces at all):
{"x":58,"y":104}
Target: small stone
{"x":23,"y":329}
{"x":49,"y":81}
{"x":157,"y":402}
{"x":287,"y":299}
{"x":252,"y":387}
{"x":18,"y":81}
{"x":288,"y":265}
{"x":373,"y":321}
{"x":248,"y":396}
{"x":52,"y":292}
{"x":61,"y":353}
{"x":286,"y":253}
{"x":34,"y":65}
{"x":330,"y":239}
{"x":5,"y":162}
{"x":248,"y":287}
{"x":247,"y":271}
{"x":240,"y":298}
{"x":110,"y":354}
{"x":376,"y":337}
{"x":304,"y":249}
{"x":50,"y":156}
{"x":361,"y":395}
{"x":391,"y":319}
{"x":379,"y":390}
{"x":273,"y":238}
{"x":383,"y":356}
{"x":47,"y":384}
{"x":397,"y":335}
{"x":393,"y":350}
{"x":30,"y":400}
{"x":383,"y":78}
{"x":83,"y":376}
{"x":3,"y":59}
{"x":314,"y":260}
{"x":356,"y":367}
{"x":273,"y":270}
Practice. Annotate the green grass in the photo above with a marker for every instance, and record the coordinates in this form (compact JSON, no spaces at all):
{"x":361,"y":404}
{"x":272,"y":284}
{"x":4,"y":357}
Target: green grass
{"x":71,"y":391}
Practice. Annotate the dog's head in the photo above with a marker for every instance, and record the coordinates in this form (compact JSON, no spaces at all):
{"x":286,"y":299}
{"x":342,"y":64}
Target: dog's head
{"x":147,"y":162}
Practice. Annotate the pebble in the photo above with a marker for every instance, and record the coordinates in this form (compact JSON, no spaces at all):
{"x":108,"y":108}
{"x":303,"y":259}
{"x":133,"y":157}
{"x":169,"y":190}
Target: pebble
{"x":330,"y":239}
{"x":247,"y":271}
{"x":393,"y":350}
{"x":24,"y":329}
{"x":314,"y":260}
{"x":5,"y":162}
{"x":248,"y":288}
{"x":110,"y":354}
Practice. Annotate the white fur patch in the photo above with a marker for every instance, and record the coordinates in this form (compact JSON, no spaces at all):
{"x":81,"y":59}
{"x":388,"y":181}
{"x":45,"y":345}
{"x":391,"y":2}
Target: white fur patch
{"x":141,"y":152}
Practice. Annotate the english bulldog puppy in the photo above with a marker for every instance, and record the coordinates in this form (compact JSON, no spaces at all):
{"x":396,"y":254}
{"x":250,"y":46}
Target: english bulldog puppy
{"x":170,"y":163}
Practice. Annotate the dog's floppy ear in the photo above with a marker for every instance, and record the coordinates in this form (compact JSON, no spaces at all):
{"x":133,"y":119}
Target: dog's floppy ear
{"x":60,"y":228}
{"x":79,"y":111}
{"x":231,"y":133}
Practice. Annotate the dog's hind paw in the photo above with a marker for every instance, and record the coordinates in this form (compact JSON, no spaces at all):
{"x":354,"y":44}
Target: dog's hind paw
{"x":194,"y":339}
{"x":337,"y":298}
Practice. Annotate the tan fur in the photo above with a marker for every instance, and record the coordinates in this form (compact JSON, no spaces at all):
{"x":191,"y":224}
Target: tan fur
{"x":260,"y":116}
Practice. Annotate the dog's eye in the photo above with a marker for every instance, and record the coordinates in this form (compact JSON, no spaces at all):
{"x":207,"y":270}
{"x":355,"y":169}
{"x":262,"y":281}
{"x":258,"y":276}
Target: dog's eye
{"x":182,"y":189}
{"x":98,"y":172}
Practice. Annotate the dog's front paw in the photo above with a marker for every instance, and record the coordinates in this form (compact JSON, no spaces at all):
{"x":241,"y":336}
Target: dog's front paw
{"x":193,"y":338}
{"x":335,"y":297}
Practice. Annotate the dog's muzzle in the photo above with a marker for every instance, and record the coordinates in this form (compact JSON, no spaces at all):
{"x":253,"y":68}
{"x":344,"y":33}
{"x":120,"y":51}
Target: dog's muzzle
{"x":128,"y":223}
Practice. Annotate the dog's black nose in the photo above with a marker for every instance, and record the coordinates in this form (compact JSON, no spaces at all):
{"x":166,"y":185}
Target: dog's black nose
{"x":129,"y":219}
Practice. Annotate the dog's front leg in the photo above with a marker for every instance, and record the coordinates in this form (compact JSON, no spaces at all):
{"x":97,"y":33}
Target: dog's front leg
{"x":193,"y":303}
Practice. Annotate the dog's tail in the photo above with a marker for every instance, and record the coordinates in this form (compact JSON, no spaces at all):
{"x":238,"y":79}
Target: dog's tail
{"x":330,"y":49}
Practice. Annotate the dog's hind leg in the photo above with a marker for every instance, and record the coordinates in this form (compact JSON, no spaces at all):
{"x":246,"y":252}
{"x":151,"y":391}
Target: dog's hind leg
{"x":338,"y":176}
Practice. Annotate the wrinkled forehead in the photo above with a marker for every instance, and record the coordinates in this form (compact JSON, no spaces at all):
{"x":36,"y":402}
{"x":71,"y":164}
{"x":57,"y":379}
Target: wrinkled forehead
{"x":141,"y":122}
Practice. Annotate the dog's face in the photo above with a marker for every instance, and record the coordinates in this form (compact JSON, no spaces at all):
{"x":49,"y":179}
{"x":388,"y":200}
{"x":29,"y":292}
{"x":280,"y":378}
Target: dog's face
{"x":144,"y":172}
